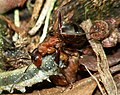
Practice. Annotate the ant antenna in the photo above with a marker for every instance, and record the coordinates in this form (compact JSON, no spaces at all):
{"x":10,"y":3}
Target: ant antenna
{"x":12,"y":87}
{"x":59,"y":22}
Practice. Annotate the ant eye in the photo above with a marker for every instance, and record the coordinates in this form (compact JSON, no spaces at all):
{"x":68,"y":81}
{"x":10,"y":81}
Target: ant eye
{"x":36,"y":57}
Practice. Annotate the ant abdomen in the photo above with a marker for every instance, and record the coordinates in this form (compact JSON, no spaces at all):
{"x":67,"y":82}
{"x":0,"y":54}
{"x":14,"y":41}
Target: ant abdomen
{"x":73,"y":35}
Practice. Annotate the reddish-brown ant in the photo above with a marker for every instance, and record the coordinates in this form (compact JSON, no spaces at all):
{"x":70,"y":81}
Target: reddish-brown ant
{"x":69,"y":35}
{"x":69,"y":38}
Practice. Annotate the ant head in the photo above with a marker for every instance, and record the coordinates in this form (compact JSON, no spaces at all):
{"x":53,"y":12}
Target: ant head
{"x":36,"y":57}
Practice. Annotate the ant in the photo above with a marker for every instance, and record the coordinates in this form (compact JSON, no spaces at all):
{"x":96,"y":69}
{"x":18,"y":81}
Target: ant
{"x":66,"y":42}
{"x":69,"y":35}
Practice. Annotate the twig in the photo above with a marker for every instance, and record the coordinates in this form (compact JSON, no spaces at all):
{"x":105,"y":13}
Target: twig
{"x":37,"y":7}
{"x":95,"y":80}
{"x":47,"y":21}
{"x":41,"y":18}
{"x":16,"y":18}
{"x":17,"y":23}
{"x":102,"y":62}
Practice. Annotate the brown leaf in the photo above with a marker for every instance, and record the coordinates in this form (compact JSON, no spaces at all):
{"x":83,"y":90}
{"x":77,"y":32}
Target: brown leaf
{"x":82,"y":87}
{"x":6,"y":5}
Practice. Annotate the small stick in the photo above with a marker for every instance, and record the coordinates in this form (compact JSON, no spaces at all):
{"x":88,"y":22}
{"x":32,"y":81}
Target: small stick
{"x":37,"y":7}
{"x":95,"y":80}
{"x":17,"y":24}
{"x":41,"y":18}
{"x":47,"y":21}
{"x":102,"y":62}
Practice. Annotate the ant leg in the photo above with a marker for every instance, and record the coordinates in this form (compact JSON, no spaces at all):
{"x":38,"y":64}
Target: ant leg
{"x":59,"y":23}
{"x":57,"y":57}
